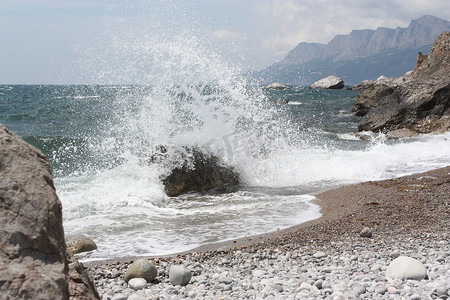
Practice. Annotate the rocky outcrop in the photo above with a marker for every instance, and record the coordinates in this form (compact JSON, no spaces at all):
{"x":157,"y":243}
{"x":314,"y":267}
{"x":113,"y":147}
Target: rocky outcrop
{"x":275,"y":86}
{"x":418,"y":102}
{"x":33,"y":259}
{"x":439,"y":57}
{"x":33,"y":252}
{"x":330,"y":82}
{"x":200,"y":172}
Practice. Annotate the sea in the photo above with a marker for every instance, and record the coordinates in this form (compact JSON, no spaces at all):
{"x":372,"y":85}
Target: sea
{"x":287,"y":146}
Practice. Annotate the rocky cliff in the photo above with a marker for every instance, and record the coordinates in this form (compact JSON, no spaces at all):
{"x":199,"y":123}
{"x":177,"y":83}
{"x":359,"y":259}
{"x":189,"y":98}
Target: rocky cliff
{"x":419,"y":102}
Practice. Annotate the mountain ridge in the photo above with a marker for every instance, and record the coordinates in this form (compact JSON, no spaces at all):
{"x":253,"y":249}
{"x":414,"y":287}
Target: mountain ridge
{"x":308,"y":62}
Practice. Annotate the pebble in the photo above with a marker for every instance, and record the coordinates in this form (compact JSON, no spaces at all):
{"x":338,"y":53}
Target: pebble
{"x":366,"y":232}
{"x":406,"y":267}
{"x":353,"y":269}
{"x":319,"y":254}
{"x":179,"y":275}
{"x":137,"y":283}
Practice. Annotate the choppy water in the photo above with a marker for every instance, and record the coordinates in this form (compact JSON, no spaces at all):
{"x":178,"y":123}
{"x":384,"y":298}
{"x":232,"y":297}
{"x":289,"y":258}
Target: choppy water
{"x":97,"y":136}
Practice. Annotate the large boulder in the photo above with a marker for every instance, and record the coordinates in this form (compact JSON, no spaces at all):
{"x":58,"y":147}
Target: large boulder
{"x":33,"y":259}
{"x":417,"y":103}
{"x":330,"y":82}
{"x":200,"y":172}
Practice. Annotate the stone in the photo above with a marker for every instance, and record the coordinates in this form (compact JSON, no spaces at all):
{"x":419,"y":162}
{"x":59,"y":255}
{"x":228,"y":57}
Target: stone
{"x":179,"y":275}
{"x":366,"y":232}
{"x":199,"y":172}
{"x":441,"y":291}
{"x":407,"y":268}
{"x":81,"y":283}
{"x":401,"y":133}
{"x":275,"y":86}
{"x":395,"y":253}
{"x":330,"y":82}
{"x":141,"y":268}
{"x":318,"y":283}
{"x":319,"y":254}
{"x":438,"y":58}
{"x":80,"y":244}
{"x":137,"y":283}
{"x":417,"y":103}
{"x":33,"y":260}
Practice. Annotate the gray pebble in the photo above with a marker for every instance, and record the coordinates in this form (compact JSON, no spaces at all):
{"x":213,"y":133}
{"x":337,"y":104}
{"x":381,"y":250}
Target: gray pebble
{"x":366,"y":232}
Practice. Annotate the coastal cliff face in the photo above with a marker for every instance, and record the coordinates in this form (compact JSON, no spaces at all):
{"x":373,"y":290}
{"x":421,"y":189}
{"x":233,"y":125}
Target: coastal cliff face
{"x":33,"y":259}
{"x":418,"y":102}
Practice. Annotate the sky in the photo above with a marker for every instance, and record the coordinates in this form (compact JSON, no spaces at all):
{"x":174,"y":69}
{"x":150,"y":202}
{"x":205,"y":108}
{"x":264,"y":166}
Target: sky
{"x":103,"y":41}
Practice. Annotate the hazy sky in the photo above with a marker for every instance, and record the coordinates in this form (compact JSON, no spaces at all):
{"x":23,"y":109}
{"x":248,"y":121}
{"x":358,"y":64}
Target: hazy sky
{"x":100,"y":41}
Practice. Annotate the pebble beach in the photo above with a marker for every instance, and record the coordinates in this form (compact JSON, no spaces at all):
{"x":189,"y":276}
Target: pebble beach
{"x":345,"y":254}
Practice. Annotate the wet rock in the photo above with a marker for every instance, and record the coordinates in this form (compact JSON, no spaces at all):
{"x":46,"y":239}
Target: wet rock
{"x":401,"y":133}
{"x":200,"y":172}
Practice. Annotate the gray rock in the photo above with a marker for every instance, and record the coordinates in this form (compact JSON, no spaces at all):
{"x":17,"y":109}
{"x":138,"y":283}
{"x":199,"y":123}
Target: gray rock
{"x":179,"y":275}
{"x":395,"y":253}
{"x":419,"y":105}
{"x":330,"y":82}
{"x":366,"y":232}
{"x":359,"y":289}
{"x":142,"y":268}
{"x":81,"y":283}
{"x":319,"y":254}
{"x":33,"y":261}
{"x":441,"y":291}
{"x":401,"y":133}
{"x":318,"y":284}
{"x":226,"y":280}
{"x":80,"y":244}
{"x":406,"y":267}
{"x":137,"y":283}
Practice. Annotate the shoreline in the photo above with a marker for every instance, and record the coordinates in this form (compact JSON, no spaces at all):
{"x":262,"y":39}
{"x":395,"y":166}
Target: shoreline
{"x":325,"y":258}
{"x":346,"y":210}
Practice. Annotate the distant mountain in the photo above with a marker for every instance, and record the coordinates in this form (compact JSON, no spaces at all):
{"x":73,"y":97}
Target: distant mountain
{"x":362,"y":54}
